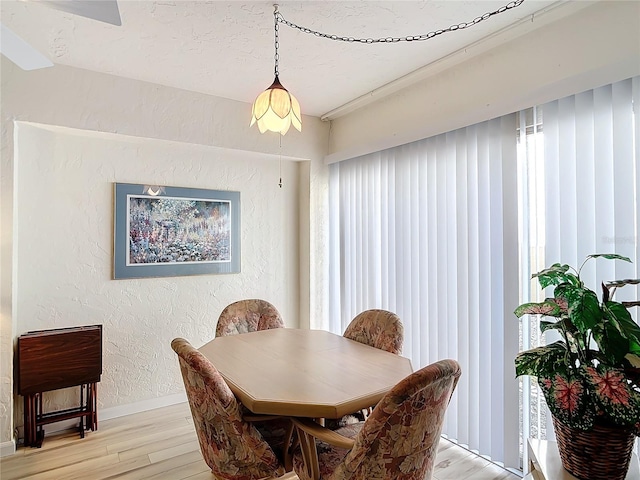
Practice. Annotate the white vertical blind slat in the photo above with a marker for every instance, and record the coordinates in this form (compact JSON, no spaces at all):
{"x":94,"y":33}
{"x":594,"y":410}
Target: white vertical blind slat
{"x":625,"y":205}
{"x":475,"y":361}
{"x":509,"y":216}
{"x":462,"y":345}
{"x":635,"y":95}
{"x":484,"y":393}
{"x":496,"y":319}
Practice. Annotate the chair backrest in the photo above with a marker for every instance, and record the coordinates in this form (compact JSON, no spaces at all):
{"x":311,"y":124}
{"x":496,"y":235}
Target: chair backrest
{"x":232,"y":447}
{"x":248,"y":316}
{"x":377,"y":328}
{"x":400,"y":437}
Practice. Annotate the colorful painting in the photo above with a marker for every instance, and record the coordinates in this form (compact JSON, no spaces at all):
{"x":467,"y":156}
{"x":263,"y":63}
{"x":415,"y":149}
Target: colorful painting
{"x":177,"y":231}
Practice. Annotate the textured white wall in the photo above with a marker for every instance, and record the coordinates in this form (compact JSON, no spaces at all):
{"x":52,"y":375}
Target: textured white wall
{"x":132,"y":131}
{"x":64,"y":233}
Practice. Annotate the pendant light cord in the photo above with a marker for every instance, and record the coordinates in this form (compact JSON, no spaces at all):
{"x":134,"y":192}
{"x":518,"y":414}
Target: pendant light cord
{"x":410,"y":38}
{"x":280,"y":182}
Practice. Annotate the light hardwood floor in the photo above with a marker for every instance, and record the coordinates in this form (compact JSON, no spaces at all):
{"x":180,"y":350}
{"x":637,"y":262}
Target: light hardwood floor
{"x":162,"y":444}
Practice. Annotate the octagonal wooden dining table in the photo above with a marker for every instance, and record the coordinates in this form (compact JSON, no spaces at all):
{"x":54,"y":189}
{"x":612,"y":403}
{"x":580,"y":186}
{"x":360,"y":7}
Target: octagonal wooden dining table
{"x":304,"y":373}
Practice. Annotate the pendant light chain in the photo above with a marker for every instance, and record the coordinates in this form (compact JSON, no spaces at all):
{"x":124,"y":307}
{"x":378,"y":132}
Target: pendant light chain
{"x":410,"y":38}
{"x":277,"y":38}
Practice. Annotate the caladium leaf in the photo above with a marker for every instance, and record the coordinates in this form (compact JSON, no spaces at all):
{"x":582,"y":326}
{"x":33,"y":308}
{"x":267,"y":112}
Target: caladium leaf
{"x":614,"y":395}
{"x":544,"y":308}
{"x":567,"y":398}
{"x":541,"y":361}
{"x":561,"y":302}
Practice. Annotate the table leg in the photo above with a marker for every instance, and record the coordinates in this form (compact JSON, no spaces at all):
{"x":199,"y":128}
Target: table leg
{"x":38,"y":429}
{"x":29,"y":421}
{"x":309,"y":454}
{"x":94,"y":406}
{"x":82,"y":408}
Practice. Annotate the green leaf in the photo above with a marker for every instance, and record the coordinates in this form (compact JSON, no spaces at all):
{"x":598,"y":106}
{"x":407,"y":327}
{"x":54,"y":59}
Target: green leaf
{"x":609,"y":256}
{"x":620,"y":313}
{"x":567,"y":292}
{"x":544,"y":308}
{"x":584,"y":309}
{"x":634,"y":347}
{"x":546,"y":325}
{"x":541,"y":361}
{"x":611,"y":343}
{"x":554,"y":275}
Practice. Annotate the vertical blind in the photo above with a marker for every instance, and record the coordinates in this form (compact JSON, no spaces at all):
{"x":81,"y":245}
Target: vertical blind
{"x":429,"y":231}
{"x":581,"y":196}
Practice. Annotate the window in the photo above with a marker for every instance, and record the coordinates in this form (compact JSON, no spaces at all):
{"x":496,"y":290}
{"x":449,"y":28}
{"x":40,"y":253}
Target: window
{"x":446,"y":232}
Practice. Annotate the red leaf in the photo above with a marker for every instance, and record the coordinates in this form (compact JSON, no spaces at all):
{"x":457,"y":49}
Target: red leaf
{"x":611,"y":386}
{"x":567,"y":393}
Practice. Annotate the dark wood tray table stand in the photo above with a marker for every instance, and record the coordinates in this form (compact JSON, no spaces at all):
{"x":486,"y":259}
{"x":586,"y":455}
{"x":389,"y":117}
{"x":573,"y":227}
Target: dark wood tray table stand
{"x":54,"y":359}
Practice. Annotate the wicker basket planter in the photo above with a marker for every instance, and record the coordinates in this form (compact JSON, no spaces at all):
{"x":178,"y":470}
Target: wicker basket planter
{"x":603,"y":453}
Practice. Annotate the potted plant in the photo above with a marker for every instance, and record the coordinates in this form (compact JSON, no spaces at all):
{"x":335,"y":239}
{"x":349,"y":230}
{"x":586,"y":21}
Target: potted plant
{"x":589,"y":377}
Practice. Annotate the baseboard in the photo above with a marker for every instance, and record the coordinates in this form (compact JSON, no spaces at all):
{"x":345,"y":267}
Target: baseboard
{"x":7,"y":448}
{"x":143,"y":406}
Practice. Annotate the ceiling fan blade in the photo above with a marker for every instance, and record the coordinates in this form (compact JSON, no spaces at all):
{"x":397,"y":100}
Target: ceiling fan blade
{"x":20,"y":52}
{"x":102,"y":10}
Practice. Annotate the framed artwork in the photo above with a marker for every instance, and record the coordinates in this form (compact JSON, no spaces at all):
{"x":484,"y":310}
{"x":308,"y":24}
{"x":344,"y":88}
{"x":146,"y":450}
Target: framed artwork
{"x":174,"y":231}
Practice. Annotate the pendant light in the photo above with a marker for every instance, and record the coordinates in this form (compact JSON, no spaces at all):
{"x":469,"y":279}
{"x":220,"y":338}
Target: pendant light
{"x":275,"y":109}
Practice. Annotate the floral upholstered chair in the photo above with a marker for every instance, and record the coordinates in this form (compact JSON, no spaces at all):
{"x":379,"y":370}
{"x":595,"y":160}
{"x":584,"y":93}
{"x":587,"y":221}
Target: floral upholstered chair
{"x":232,"y":447}
{"x":248,"y":316}
{"x":377,"y":328}
{"x":398,"y":441}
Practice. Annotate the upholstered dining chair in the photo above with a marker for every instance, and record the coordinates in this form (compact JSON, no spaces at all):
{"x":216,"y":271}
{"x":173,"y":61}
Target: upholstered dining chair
{"x":378,"y":328}
{"x":398,"y":441}
{"x":231,"y":446}
{"x":248,"y":316}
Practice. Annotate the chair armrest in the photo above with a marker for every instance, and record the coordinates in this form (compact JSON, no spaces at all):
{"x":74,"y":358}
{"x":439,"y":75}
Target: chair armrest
{"x":321,"y":433}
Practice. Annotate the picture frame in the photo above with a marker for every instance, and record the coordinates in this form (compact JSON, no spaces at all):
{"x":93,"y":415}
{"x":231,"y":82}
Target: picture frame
{"x":175,"y":231}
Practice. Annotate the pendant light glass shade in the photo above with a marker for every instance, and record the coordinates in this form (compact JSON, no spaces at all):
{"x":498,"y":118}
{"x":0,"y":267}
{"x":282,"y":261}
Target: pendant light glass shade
{"x":276,"y":110}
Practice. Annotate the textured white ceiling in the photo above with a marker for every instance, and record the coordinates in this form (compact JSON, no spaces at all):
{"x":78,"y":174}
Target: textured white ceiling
{"x":226,"y":48}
